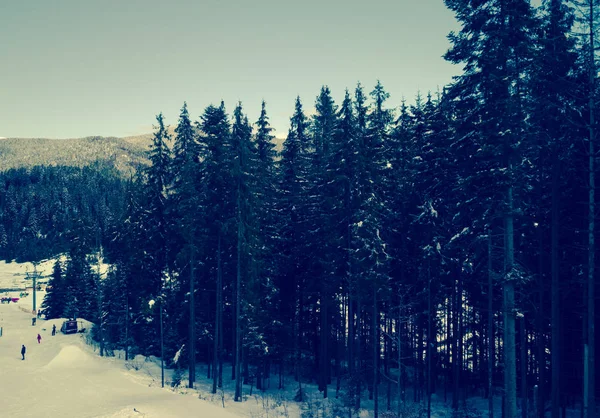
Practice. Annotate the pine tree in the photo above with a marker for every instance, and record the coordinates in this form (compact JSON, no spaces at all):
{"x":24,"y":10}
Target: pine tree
{"x":244,"y":165}
{"x":589,"y":340}
{"x":185,"y":147}
{"x":324,"y":225}
{"x":346,"y":154}
{"x":494,"y":43}
{"x":3,"y":241}
{"x":293,"y":187}
{"x":113,"y":319}
{"x":54,"y":302}
{"x":551,"y":101}
{"x":371,"y":247}
{"x":158,"y":183}
{"x":80,"y":285}
{"x":217,"y":197}
{"x":264,"y":344}
{"x":185,"y":174}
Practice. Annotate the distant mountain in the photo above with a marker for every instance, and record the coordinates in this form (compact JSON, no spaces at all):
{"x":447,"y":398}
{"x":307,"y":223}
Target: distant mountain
{"x":125,"y":153}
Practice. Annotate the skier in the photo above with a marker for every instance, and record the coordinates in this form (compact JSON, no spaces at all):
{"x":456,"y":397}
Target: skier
{"x":53,"y":330}
{"x":39,"y":338}
{"x":23,"y":349}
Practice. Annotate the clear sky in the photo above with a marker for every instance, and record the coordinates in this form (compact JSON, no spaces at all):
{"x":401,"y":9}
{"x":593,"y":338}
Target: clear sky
{"x":73,"y":68}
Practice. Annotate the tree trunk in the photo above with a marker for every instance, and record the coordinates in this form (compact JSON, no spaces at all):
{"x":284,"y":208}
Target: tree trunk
{"x":127,"y":329}
{"x":359,"y":335}
{"x":589,"y":390}
{"x":351,"y":340}
{"x":510,"y":369}
{"x":281,"y":381}
{"x":299,"y":335}
{"x":220,"y":309}
{"x":234,"y":351}
{"x":430,"y":339}
{"x":523,"y":369}
{"x":490,"y":330}
{"x":540,"y":340}
{"x":375,"y":334}
{"x":238,"y":302}
{"x":556,"y":369}
{"x":324,"y":362}
{"x":219,"y":302}
{"x":449,"y":348}
{"x":245,"y":366}
{"x":399,"y":343}
{"x":192,"y":330}
{"x":339,"y":335}
{"x":387,"y":348}
{"x":456,"y":335}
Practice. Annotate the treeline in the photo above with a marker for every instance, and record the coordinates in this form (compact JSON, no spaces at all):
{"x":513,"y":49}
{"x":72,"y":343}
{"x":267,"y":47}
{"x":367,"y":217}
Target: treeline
{"x":44,"y":208}
{"x":445,"y":247}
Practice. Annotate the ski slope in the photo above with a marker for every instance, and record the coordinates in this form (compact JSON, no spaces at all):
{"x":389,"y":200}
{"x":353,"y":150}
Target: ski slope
{"x":63,"y":377}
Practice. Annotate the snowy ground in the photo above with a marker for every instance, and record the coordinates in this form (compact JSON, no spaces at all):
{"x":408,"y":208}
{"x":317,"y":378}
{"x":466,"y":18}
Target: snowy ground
{"x":63,"y":377}
{"x":13,"y":275}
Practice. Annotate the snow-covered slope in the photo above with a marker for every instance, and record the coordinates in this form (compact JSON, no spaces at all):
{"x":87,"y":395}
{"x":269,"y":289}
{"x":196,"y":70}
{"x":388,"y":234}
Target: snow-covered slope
{"x":125,"y":153}
{"x":14,"y":275}
{"x":63,"y":377}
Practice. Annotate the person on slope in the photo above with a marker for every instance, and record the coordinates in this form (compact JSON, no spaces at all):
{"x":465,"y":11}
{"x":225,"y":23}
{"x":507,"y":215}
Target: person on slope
{"x":53,"y":330}
{"x":39,"y":338}
{"x":23,"y":349}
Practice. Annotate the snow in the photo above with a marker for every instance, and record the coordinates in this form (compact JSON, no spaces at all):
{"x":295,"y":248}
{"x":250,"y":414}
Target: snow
{"x":64,"y":377}
{"x":178,"y":354}
{"x":14,"y":275}
{"x":463,"y":232}
{"x":70,"y":356}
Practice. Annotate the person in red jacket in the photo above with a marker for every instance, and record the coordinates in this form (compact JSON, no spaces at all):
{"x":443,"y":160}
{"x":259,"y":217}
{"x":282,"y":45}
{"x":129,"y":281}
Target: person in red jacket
{"x":39,"y":337}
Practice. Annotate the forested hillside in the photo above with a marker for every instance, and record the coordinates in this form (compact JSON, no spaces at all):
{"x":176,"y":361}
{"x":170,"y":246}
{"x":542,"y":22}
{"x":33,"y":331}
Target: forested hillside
{"x":47,"y":209}
{"x":444,"y":247}
{"x":126,"y":154}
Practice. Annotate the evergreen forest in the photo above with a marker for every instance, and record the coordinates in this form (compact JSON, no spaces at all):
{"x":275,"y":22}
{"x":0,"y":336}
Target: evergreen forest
{"x":386,"y":254}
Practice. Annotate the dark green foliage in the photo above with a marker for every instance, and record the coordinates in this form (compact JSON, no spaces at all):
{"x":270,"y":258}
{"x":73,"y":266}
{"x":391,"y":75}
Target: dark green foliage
{"x":41,"y":209}
{"x":56,"y":293}
{"x":291,"y":248}
{"x":114,"y":305}
{"x":157,"y":187}
{"x":81,"y":286}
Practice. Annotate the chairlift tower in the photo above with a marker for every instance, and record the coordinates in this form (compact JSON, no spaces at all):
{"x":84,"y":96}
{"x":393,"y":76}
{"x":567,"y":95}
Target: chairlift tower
{"x":34,"y":275}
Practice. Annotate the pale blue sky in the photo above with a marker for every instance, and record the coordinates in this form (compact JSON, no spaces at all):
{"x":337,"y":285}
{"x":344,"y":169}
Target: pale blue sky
{"x":73,"y":68}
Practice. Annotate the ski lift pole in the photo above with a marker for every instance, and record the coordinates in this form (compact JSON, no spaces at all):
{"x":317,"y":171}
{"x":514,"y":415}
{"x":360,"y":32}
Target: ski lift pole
{"x":34,"y":275}
{"x":162,"y":346}
{"x":34,"y":288}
